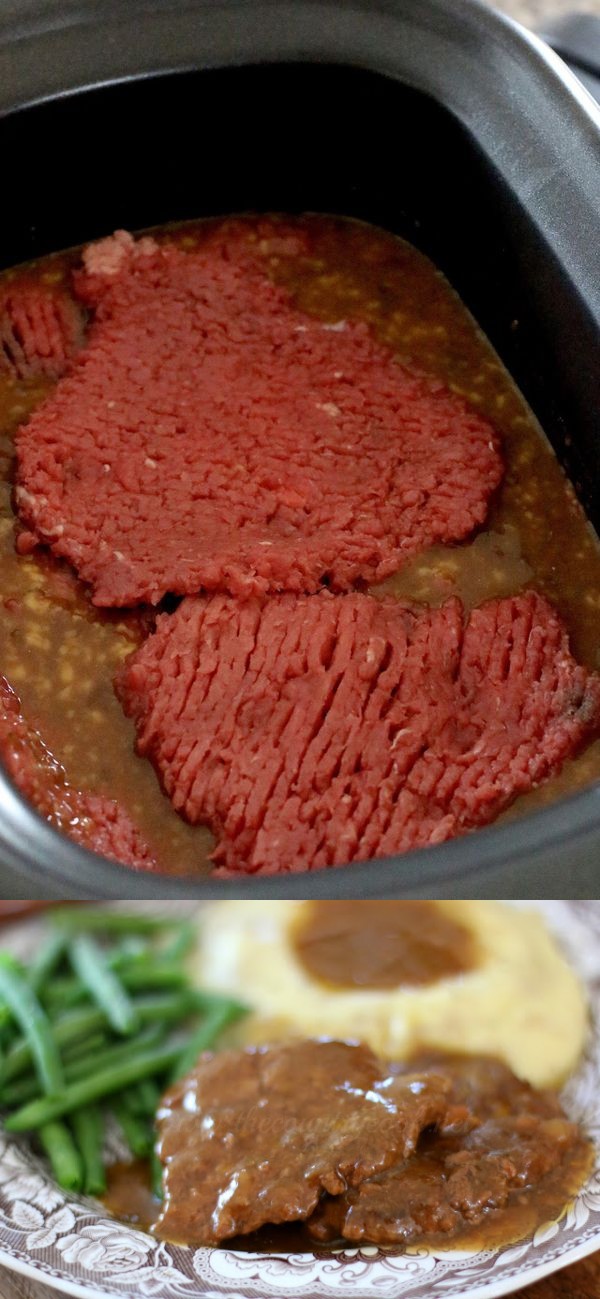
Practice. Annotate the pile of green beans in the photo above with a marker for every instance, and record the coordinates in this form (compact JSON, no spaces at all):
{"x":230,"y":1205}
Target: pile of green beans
{"x":101,"y":1020}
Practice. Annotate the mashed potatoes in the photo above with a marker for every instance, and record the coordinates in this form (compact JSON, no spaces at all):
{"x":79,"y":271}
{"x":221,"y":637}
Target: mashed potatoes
{"x":520,"y":1002}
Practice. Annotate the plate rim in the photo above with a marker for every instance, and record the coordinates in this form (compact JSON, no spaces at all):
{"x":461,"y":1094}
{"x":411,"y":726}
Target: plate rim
{"x":492,"y":1289}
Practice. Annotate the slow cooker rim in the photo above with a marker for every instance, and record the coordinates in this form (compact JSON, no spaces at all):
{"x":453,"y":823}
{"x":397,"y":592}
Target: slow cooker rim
{"x":99,"y":13}
{"x":443,"y":864}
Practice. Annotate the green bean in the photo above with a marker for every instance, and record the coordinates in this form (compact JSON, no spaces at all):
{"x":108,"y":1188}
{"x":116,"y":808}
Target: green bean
{"x":45,"y":962}
{"x":138,"y":1133}
{"x":7,"y":1022}
{"x":24,"y":1089}
{"x":152,"y":975}
{"x":76,"y":1060}
{"x":133,"y":948}
{"x":203,"y":1001}
{"x":7,"y":1028}
{"x":137,"y":976}
{"x":166,"y":1008}
{"x":121,"y":959}
{"x":81,"y":1049}
{"x":32,"y":1018}
{"x":110,"y":922}
{"x":114,"y":1055}
{"x":88,"y":1127}
{"x":144,"y":1098}
{"x":156,"y":1170}
{"x":63,"y":994}
{"x":63,"y":1155}
{"x":10,"y":962}
{"x":103,"y":985}
{"x":79,"y":1023}
{"x":149,"y":1095}
{"x":76,"y":1024}
{"x":218,"y":1018}
{"x":78,"y":1064}
{"x":182,"y":942}
{"x":145,"y":1064}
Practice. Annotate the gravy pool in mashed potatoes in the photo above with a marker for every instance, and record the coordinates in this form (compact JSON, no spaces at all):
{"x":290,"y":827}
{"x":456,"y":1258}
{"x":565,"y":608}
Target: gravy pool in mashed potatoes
{"x":477,"y":977}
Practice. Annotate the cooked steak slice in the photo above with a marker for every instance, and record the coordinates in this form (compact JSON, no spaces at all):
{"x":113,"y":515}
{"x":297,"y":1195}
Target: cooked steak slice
{"x":457,"y":1180}
{"x":255,"y":1136}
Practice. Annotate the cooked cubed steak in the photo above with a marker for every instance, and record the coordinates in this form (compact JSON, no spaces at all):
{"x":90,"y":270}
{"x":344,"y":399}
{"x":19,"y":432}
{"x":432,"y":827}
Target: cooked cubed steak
{"x":92,"y":820}
{"x":213,"y":436}
{"x":255,"y":1136}
{"x":457,"y":1179}
{"x":315,"y":730}
{"x":40,"y":329}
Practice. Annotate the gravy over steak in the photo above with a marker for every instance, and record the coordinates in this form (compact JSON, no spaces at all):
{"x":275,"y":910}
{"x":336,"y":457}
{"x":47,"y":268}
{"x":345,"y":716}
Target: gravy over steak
{"x":304,"y":1146}
{"x":256,"y":1136}
{"x":519,"y":1164}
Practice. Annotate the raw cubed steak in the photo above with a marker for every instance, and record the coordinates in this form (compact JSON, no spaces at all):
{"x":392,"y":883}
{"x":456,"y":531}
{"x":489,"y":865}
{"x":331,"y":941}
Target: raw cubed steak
{"x":95,"y":822}
{"x":315,"y":730}
{"x":212,"y":436}
{"x":40,"y":329}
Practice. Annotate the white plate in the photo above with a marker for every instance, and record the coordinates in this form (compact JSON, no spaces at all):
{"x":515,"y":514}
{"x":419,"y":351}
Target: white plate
{"x":70,"y":1243}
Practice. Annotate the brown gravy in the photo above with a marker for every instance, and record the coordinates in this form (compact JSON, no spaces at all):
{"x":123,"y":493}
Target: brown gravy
{"x":502,"y":1227}
{"x":60,"y":654}
{"x":530,"y":1210}
{"x":130,"y":1199}
{"x":129,"y":1196}
{"x":381,"y":944}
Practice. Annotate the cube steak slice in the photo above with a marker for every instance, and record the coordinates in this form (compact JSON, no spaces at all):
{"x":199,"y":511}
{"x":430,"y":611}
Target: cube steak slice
{"x":311,"y":731}
{"x":210,"y":435}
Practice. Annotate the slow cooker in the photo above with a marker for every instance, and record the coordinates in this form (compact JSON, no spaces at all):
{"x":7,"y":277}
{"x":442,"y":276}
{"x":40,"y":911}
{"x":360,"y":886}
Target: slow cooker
{"x":437,"y":119}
